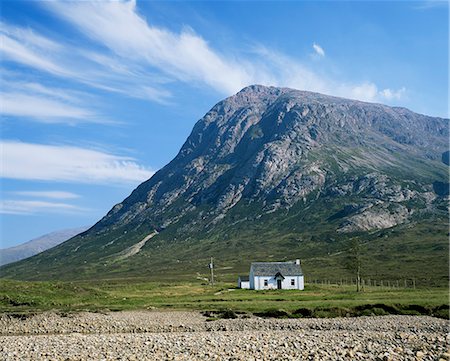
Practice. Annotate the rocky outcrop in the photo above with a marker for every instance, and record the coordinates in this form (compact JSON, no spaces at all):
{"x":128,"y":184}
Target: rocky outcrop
{"x":375,"y":217}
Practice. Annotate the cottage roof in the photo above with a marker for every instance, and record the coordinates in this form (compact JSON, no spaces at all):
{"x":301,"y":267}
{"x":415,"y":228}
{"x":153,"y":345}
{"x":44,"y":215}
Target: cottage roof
{"x":244,"y":278}
{"x":272,"y":268}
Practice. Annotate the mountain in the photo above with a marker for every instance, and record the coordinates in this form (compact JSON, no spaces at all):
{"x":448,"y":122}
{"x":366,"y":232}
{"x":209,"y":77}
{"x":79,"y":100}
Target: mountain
{"x":277,"y":173}
{"x":37,"y":245}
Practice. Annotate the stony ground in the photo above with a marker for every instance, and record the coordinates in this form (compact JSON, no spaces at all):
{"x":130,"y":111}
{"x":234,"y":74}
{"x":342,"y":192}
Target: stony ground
{"x":188,"y":336}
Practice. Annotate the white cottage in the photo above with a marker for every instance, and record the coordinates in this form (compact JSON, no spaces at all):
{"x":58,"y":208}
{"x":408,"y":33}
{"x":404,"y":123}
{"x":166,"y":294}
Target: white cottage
{"x":276,"y":275}
{"x":243,"y":282}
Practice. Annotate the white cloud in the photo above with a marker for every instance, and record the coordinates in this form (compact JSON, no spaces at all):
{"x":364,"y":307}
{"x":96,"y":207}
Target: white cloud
{"x":30,"y":37}
{"x":68,"y":164}
{"x":67,"y":95}
{"x":318,"y":49}
{"x":13,"y":49}
{"x":187,"y":57}
{"x":11,"y":206}
{"x":365,"y":91}
{"x":23,"y":46}
{"x":390,"y":94}
{"x":47,"y":104}
{"x":285,"y":71}
{"x":281,"y":70}
{"x":369,"y":92}
{"x":41,"y":108}
{"x":48,"y":194}
{"x":140,"y":59}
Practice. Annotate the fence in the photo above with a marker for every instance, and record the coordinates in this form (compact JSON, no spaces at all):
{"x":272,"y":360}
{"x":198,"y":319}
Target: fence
{"x":403,"y":283}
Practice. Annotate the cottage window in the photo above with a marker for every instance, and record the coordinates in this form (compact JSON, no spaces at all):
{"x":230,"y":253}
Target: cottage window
{"x":293,"y":282}
{"x":266,"y":283}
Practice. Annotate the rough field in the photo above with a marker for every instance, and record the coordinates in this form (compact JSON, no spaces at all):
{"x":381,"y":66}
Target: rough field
{"x":152,"y":335}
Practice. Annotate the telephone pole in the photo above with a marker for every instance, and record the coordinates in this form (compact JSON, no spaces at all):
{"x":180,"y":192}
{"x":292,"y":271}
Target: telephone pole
{"x":211,"y":267}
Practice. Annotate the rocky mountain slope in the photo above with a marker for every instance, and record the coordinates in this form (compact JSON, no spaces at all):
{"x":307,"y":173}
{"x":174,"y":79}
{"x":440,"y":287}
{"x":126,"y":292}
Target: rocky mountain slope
{"x":269,"y":173}
{"x":37,"y":245}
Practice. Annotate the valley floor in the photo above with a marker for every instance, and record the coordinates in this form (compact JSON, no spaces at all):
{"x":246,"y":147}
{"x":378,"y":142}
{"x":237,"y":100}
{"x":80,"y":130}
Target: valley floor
{"x":156,"y":335}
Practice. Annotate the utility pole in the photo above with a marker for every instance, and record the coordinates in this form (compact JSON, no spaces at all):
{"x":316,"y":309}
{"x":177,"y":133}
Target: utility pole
{"x":211,"y":267}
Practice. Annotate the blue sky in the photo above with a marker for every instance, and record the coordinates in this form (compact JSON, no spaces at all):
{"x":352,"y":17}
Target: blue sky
{"x":97,"y":96}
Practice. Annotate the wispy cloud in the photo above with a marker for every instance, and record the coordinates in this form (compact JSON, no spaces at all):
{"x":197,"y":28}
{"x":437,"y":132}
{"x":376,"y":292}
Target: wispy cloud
{"x":140,"y":59}
{"x":24,"y":46}
{"x":64,"y":94}
{"x":68,"y":164}
{"x":318,"y":49}
{"x":42,"y":109}
{"x":185,"y":56}
{"x":46,"y":104}
{"x":16,"y":45}
{"x":188,"y":57}
{"x":29,"y":37}
{"x":286,"y":71}
{"x":47,"y":194}
{"x":21,"y":207}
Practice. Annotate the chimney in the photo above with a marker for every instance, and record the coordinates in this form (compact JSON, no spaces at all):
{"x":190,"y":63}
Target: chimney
{"x":297,"y":261}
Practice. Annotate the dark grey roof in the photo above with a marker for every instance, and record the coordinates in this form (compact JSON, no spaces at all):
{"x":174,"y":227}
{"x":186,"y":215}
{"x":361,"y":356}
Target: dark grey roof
{"x":271,"y":268}
{"x":244,"y":278}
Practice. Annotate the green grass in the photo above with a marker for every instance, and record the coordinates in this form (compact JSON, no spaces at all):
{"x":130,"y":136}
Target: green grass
{"x":308,"y":232}
{"x":116,"y":295}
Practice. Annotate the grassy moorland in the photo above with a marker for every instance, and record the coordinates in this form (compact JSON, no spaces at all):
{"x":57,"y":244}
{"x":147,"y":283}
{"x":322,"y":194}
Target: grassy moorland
{"x":315,"y":300}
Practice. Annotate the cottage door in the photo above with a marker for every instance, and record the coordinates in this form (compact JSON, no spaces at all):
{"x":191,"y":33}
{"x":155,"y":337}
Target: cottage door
{"x":279,"y":284}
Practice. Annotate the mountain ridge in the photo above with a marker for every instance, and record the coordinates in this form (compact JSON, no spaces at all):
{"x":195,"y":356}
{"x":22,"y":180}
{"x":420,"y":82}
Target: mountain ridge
{"x":341,"y":168}
{"x":37,"y":245}
{"x":191,"y":148}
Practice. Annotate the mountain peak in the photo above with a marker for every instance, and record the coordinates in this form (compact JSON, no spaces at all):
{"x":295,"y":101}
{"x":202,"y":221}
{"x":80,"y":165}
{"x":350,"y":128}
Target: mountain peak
{"x":277,"y":146}
{"x":261,"y":89}
{"x":270,"y":163}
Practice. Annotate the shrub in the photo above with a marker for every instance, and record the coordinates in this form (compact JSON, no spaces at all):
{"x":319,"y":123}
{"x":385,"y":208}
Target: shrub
{"x":441,"y":312}
{"x":303,"y":312}
{"x":228,"y":314}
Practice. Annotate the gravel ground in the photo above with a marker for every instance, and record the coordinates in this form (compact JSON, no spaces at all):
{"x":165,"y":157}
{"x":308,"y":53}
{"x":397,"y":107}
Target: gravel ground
{"x":188,"y":336}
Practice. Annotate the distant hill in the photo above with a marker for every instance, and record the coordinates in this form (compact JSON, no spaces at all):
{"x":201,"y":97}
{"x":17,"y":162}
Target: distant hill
{"x":274,"y":174}
{"x":37,"y":245}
